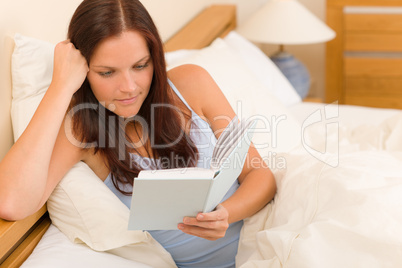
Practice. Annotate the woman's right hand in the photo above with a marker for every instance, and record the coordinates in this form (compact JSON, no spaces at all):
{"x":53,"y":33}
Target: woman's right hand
{"x":70,"y":67}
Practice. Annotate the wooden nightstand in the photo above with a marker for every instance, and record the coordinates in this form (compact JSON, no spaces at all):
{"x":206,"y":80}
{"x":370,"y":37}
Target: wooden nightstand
{"x":312,"y":99}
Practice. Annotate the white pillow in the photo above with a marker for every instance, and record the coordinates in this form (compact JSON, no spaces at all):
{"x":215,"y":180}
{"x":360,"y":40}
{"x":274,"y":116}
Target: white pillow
{"x":248,"y":98}
{"x":31,"y":71}
{"x":86,"y":211}
{"x":81,"y":206}
{"x":56,"y":250}
{"x":263,"y":68}
{"x":173,"y":57}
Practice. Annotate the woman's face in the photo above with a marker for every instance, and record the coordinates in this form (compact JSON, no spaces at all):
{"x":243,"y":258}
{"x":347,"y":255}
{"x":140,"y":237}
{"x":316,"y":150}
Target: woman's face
{"x":120,"y":73}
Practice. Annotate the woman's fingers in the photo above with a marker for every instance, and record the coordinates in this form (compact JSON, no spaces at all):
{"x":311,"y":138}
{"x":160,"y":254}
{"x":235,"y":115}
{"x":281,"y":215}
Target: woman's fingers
{"x":219,"y":214}
{"x":211,"y":226}
{"x":209,"y":234}
{"x":70,"y":66}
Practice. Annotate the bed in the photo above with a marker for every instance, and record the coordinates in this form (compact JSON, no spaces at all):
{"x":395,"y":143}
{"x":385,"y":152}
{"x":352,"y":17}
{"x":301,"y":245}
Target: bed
{"x":338,"y":168}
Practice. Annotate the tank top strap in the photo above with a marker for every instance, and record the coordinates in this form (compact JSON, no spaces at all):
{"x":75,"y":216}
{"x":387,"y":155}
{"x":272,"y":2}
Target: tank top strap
{"x":179,"y":95}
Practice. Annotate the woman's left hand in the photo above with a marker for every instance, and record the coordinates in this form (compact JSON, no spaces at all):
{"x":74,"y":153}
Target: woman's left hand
{"x":211,"y":226}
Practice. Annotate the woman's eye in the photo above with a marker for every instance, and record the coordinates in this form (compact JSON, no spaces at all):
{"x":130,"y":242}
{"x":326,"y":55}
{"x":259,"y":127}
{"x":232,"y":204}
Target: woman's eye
{"x":105,"y":74}
{"x":140,"y":67}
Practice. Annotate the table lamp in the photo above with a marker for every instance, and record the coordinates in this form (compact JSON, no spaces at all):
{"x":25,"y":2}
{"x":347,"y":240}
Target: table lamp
{"x":287,"y":22}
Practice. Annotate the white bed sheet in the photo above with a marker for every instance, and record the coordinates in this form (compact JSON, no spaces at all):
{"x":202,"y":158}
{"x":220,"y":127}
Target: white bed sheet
{"x":339,"y":207}
{"x":349,"y":115}
{"x":337,"y":128}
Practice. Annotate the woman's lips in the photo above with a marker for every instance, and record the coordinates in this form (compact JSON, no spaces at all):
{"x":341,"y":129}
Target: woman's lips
{"x":127,"y":101}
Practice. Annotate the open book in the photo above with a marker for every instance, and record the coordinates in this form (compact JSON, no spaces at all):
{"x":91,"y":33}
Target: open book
{"x":161,"y":198}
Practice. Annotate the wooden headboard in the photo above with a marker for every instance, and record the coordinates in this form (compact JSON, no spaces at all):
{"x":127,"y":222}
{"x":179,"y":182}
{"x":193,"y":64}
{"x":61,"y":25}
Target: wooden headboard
{"x":18,"y":239}
{"x":213,"y":22}
{"x":364,"y":61}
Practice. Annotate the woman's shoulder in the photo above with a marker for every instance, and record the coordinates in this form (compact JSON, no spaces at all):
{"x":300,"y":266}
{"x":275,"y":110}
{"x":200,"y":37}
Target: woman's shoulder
{"x":189,"y":74}
{"x":195,"y":84}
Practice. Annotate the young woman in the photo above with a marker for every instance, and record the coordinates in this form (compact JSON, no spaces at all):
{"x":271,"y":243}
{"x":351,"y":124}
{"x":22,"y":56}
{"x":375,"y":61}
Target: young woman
{"x":112,"y":104}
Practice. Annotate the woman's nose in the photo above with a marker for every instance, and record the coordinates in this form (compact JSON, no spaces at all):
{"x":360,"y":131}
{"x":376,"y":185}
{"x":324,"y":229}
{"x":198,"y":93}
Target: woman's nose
{"x":128,"y":83}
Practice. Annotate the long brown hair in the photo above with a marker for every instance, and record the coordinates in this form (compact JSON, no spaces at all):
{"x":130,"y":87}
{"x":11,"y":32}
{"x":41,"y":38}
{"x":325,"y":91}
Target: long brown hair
{"x":92,"y":22}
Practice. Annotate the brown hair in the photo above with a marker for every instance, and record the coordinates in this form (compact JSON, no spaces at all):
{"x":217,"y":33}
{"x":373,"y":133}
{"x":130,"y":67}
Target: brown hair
{"x":92,"y":22}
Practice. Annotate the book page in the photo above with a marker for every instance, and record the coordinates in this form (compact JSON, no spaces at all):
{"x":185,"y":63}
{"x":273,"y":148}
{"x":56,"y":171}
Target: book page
{"x":225,"y":134}
{"x":231,"y":165}
{"x":221,"y":143}
{"x":233,"y":135}
{"x":177,"y":173}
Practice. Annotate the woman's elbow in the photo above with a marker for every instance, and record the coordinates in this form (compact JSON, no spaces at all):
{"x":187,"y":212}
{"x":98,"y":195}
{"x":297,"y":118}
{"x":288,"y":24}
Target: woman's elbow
{"x":10,"y":211}
{"x":7,"y":213}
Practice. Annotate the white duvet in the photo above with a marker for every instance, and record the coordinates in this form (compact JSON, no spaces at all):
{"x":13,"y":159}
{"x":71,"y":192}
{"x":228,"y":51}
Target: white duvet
{"x":339,"y":208}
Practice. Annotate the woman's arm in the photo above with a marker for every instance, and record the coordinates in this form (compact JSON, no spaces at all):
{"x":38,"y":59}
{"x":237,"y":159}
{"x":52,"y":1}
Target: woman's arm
{"x":257,"y":183}
{"x":42,"y":155}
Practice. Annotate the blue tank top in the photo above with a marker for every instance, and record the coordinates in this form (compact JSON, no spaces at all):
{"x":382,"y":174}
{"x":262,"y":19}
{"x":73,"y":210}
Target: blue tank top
{"x":188,"y":250}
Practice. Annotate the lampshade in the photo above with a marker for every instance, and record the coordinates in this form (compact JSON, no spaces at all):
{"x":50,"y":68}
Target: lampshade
{"x":285,"y":22}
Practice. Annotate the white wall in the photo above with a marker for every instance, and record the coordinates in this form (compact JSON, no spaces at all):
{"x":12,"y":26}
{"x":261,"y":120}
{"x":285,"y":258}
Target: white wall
{"x":313,"y":56}
{"x":169,"y":20}
{"x":245,"y":8}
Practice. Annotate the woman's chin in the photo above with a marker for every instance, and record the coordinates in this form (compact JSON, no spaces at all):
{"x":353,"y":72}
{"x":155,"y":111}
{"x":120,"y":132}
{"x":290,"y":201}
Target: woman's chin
{"x":127,"y":114}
